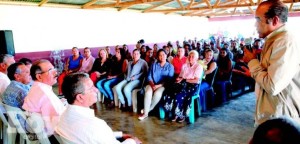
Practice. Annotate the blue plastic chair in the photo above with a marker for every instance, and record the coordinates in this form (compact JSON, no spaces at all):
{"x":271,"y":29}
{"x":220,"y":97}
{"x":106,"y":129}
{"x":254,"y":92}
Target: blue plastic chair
{"x":192,"y":115}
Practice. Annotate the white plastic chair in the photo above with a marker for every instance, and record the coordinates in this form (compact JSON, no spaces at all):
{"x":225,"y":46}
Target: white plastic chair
{"x":8,"y":131}
{"x":34,"y":124}
{"x":66,"y":141}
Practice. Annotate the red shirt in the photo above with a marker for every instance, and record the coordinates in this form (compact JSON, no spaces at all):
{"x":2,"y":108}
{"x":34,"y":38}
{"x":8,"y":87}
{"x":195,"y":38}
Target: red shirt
{"x":177,"y":63}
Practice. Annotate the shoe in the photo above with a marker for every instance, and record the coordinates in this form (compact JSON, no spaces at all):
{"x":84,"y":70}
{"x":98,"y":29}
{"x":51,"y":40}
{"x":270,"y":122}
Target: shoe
{"x":142,"y":117}
{"x":174,"y":119}
{"x":181,"y":120}
{"x":111,"y":105}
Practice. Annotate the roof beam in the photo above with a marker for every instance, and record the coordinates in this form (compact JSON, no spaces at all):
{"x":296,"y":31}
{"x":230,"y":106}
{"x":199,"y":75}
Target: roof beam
{"x":197,"y":3}
{"x":122,"y":4}
{"x":225,"y":14}
{"x":43,"y":2}
{"x":179,"y":2}
{"x":190,"y":4}
{"x":204,"y":8}
{"x":217,"y":3}
{"x":153,"y":7}
{"x":208,"y":4}
{"x":291,"y":7}
{"x":251,"y":2}
{"x":86,"y":5}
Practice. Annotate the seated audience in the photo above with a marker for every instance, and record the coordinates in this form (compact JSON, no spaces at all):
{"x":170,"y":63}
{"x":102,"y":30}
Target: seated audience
{"x":178,"y":98}
{"x":155,"y":49}
{"x":241,"y":73}
{"x":143,"y":51}
{"x":160,"y":74}
{"x":26,"y":61}
{"x":101,"y":66}
{"x":18,"y":89}
{"x":127,"y":53}
{"x":136,"y":71}
{"x":116,"y":75}
{"x":87,"y":61}
{"x":41,"y":98}
{"x":224,"y":74}
{"x":73,"y":64}
{"x":78,"y":123}
{"x":28,"y":64}
{"x":5,"y":61}
{"x":109,"y":55}
{"x":178,"y":61}
{"x":211,"y":66}
{"x":148,"y":57}
{"x":282,"y":130}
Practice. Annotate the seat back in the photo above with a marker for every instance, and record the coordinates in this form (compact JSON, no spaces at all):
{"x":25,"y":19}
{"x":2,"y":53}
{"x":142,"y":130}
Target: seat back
{"x":2,"y":116}
{"x":36,"y":123}
{"x":66,"y":141}
{"x":18,"y":118}
{"x":210,"y":79}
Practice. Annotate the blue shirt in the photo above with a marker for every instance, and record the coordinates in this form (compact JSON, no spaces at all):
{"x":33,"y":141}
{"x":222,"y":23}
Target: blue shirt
{"x":137,"y":70}
{"x":15,"y":94}
{"x":74,"y":64}
{"x":159,"y":74}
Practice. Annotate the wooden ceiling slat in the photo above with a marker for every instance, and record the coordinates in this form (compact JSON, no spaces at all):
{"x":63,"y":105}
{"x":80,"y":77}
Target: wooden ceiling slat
{"x":181,"y":6}
{"x":216,"y":4}
{"x":291,"y":7}
{"x":184,"y":7}
{"x":89,"y":4}
{"x":153,"y":7}
{"x":208,"y":4}
{"x":190,"y":4}
{"x":43,"y":2}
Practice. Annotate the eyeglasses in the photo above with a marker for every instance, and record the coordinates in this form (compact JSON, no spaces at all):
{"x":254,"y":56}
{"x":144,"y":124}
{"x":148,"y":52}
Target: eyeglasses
{"x":48,"y":71}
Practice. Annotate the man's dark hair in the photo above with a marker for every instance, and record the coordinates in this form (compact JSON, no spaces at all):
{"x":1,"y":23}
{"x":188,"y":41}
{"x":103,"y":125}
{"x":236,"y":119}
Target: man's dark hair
{"x":73,"y":85}
{"x":25,"y":61}
{"x":36,"y":68}
{"x":283,"y":130}
{"x":276,"y":8}
{"x":136,"y":50}
{"x":13,"y":69}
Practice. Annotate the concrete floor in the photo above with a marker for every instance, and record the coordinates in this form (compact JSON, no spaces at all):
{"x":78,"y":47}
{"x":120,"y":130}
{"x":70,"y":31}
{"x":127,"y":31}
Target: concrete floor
{"x":231,"y":123}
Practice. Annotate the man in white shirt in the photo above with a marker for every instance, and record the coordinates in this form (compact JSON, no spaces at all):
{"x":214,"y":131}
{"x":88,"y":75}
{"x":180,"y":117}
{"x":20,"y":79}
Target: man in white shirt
{"x":78,"y":123}
{"x":87,"y":62}
{"x":5,"y":61}
{"x":41,"y":98}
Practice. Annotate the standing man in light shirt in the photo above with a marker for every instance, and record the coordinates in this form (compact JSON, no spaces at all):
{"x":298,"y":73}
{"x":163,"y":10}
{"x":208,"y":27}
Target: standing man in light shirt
{"x":5,"y":61}
{"x":41,"y":98}
{"x":277,"y":74}
{"x":78,"y":123}
{"x":87,"y":62}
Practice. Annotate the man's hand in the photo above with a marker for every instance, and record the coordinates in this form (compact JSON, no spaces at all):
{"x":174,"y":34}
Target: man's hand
{"x":178,"y":79}
{"x":248,"y":55}
{"x":246,"y":71}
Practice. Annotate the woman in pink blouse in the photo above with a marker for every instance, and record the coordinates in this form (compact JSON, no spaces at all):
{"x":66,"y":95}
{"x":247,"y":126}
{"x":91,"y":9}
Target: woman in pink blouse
{"x":178,"y":100}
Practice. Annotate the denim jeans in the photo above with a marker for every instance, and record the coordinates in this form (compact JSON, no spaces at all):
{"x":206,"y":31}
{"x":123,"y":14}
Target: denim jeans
{"x":105,"y":86}
{"x":126,"y":87}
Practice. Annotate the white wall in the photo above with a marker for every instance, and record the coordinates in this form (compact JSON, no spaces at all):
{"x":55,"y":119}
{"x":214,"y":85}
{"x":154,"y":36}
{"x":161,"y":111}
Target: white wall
{"x":41,"y":28}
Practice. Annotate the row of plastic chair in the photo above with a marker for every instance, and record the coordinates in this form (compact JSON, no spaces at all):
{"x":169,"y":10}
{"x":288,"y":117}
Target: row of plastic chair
{"x":30,"y":126}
